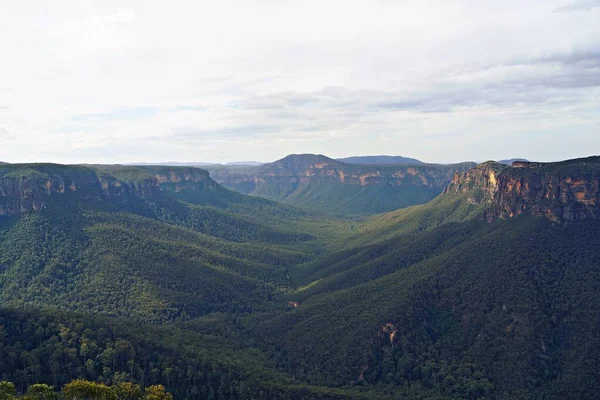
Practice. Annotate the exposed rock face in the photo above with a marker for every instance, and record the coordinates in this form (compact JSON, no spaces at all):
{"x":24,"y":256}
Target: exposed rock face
{"x":20,"y":195}
{"x":154,"y":180}
{"x":563,"y":192}
{"x":307,"y":168}
{"x":293,"y":304}
{"x":390,"y":331}
{"x":26,"y":188}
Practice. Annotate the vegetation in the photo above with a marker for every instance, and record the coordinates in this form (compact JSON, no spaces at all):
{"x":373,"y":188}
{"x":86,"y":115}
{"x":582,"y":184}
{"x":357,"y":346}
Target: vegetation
{"x":513,"y":320}
{"x":171,"y":257}
{"x":343,"y":199}
{"x":82,"y":389}
{"x":200,"y":292}
{"x":203,"y":360}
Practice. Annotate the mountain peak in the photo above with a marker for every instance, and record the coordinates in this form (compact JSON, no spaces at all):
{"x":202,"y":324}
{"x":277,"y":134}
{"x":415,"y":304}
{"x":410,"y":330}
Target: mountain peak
{"x":513,"y":160}
{"x":305,"y":159}
{"x":296,"y":163}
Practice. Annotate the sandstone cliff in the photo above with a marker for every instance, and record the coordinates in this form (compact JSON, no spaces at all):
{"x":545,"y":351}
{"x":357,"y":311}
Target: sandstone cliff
{"x":563,"y":191}
{"x":28,"y":187}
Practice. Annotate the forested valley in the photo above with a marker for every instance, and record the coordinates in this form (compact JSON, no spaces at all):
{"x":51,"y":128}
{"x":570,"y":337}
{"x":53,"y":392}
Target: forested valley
{"x":122,"y":282}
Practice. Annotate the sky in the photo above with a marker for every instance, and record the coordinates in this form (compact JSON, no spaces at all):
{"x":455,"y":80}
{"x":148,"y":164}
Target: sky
{"x":220,"y":81}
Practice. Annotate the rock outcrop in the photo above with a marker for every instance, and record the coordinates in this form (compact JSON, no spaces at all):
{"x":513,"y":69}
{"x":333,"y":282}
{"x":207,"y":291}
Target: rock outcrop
{"x":27,"y":188}
{"x":563,"y":192}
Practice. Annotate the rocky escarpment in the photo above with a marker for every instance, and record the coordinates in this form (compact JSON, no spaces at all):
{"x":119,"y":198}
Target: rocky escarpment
{"x":320,"y":183}
{"x":323,"y":184}
{"x":307,"y":168}
{"x":28,"y":187}
{"x":563,"y":192}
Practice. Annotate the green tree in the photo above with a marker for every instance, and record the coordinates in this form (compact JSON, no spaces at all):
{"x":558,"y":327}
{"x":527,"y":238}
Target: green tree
{"x":127,"y":391}
{"x":40,"y":391}
{"x":157,"y":392}
{"x":8,"y":391}
{"x":86,"y":390}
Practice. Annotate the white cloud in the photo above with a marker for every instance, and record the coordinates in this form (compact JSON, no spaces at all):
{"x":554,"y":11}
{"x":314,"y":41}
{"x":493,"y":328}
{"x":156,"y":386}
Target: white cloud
{"x":123,"y":16}
{"x":580,"y":5}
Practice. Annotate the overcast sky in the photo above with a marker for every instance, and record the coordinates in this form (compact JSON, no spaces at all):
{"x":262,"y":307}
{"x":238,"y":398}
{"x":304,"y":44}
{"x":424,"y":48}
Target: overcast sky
{"x":218,"y":81}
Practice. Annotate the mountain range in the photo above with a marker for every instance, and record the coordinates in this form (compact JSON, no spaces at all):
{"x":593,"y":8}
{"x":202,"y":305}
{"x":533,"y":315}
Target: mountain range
{"x":512,"y":160}
{"x":478,"y":282}
{"x":377,"y":160}
{"x":380,"y":160}
{"x":319,"y":183}
{"x":196,"y":164}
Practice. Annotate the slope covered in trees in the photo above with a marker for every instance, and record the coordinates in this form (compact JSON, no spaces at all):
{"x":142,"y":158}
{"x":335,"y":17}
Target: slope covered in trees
{"x":468,"y":309}
{"x":201,"y":361}
{"x":154,"y":250}
{"x":444,"y":297}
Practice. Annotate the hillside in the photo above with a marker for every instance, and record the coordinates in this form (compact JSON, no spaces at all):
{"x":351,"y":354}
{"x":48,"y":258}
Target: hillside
{"x":459,"y":314}
{"x":151,"y":243}
{"x":316,"y":182}
{"x":458,"y":296}
{"x":561,"y":193}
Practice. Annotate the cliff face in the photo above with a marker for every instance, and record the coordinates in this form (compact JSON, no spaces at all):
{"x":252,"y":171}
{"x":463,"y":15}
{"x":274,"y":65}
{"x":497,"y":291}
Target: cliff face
{"x":563,"y":192}
{"x":27,"y":188}
{"x":323,"y":184}
{"x":147,"y":182}
{"x":307,"y":168}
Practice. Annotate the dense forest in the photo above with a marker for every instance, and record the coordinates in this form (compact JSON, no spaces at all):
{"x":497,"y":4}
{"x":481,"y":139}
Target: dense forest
{"x":202,"y":360}
{"x":151,"y":282}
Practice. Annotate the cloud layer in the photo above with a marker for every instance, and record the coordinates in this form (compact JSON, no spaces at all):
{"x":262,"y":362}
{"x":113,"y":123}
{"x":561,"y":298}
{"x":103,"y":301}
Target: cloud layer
{"x":581,"y":5}
{"x":223,"y":81}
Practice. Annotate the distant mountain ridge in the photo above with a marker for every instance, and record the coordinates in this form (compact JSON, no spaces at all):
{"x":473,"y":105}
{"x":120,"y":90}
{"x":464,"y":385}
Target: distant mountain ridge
{"x":244,"y":163}
{"x":512,"y":160}
{"x":196,"y":164}
{"x":318,"y":182}
{"x":381,"y":160}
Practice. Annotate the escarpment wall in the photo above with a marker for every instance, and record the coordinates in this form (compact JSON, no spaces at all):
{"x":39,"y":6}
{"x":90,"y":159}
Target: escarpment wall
{"x":566,"y":191}
{"x":29,"y":189}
